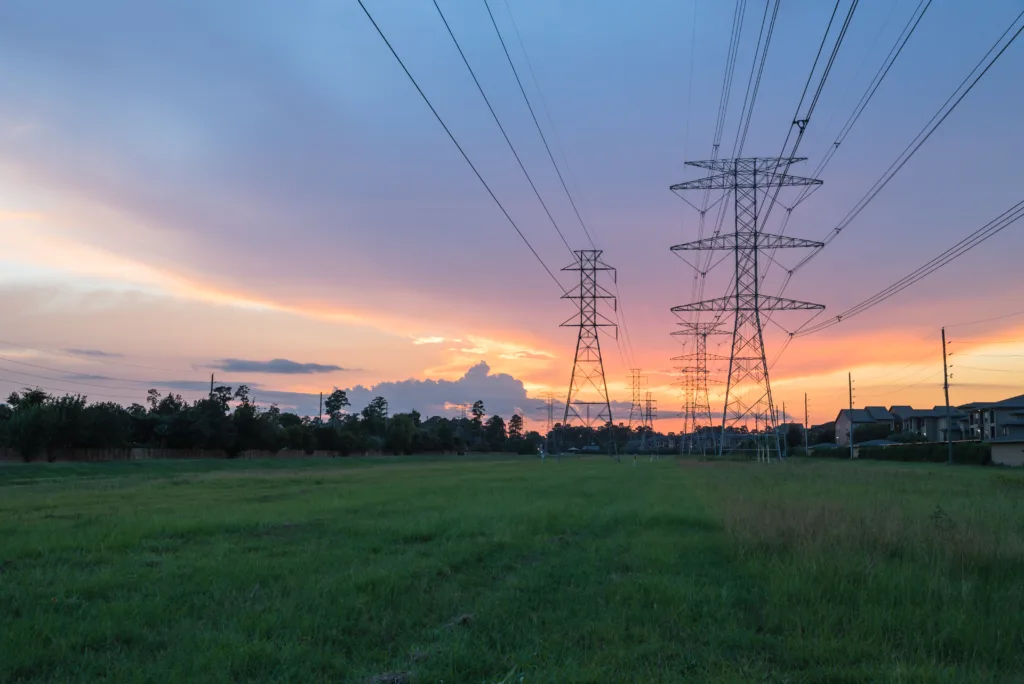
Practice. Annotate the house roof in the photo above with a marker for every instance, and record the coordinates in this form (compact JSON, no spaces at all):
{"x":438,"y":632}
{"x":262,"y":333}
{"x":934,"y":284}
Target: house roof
{"x":1011,"y":403}
{"x":904,"y":412}
{"x":875,"y":442}
{"x":868,"y":414}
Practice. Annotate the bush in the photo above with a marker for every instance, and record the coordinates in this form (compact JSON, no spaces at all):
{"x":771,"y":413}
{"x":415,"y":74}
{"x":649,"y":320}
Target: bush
{"x":973,"y":453}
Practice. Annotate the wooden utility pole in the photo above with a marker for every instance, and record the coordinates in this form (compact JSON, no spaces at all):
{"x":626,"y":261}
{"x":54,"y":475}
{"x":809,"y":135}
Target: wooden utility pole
{"x":849,"y":378}
{"x":945,"y":388}
{"x":320,"y":415}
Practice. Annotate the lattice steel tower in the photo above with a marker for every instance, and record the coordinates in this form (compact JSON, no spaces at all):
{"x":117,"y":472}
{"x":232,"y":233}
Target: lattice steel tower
{"x":748,"y":393}
{"x":636,"y":409}
{"x":697,"y":400}
{"x":588,"y":403}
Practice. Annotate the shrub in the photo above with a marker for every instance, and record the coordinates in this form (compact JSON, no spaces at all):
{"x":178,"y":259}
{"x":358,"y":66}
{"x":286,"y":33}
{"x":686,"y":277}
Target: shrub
{"x":973,"y":453}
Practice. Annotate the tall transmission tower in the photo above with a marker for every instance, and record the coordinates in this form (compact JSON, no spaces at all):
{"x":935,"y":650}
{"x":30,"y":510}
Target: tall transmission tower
{"x":697,"y":401}
{"x":748,"y":394}
{"x":587,"y":403}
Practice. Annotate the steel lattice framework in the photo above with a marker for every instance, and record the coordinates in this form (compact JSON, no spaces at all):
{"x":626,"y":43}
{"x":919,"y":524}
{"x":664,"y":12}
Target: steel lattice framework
{"x":636,"y":383}
{"x":696,"y":398}
{"x":587,"y":403}
{"x":748,"y":394}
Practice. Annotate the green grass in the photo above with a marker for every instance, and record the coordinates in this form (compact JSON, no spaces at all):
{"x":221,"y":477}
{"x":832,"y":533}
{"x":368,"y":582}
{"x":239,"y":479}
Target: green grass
{"x":456,"y":570}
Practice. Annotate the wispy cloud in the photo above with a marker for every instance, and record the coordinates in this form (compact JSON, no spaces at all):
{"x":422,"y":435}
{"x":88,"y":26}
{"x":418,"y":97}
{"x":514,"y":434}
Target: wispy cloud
{"x":278,"y":366}
{"x":95,"y":353}
{"x":427,"y":340}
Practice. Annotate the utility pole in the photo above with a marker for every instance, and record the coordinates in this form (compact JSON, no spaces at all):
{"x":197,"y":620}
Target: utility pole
{"x":211,"y":385}
{"x":320,"y":415}
{"x":587,"y":384}
{"x":945,"y":388}
{"x":807,"y":426}
{"x":849,"y":379}
{"x":746,"y":179}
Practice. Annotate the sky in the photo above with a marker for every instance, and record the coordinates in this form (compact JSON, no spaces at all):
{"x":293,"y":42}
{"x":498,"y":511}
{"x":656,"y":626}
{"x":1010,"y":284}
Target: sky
{"x":258,"y":192}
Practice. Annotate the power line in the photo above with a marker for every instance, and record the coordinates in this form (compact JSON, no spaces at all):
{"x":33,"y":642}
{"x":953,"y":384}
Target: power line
{"x":501,"y":127}
{"x":57,"y":389}
{"x":529,"y":106}
{"x":73,"y":382}
{"x":749,"y":113}
{"x":89,"y":357}
{"x":897,"y":391}
{"x":869,"y":93}
{"x":995,"y":370}
{"x":933,"y":124}
{"x":457,"y":145}
{"x":977,"y":237}
{"x":987,"y":320}
{"x":558,"y":172}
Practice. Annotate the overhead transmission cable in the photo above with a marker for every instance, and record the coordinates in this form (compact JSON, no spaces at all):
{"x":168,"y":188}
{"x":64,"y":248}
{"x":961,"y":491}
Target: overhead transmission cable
{"x":536,"y":123}
{"x":739,"y":12}
{"x":930,"y":127}
{"x":869,"y":93}
{"x":504,"y":134}
{"x":458,"y":146}
{"x":551,"y":156}
{"x":996,"y":225}
{"x":962,"y":90}
{"x":802,"y":122}
{"x":88,"y":357}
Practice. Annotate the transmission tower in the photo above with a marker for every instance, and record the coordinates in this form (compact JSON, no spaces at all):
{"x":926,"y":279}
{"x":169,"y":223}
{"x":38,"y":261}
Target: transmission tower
{"x":748,"y":394}
{"x":636,"y":409}
{"x":587,"y":403}
{"x":697,"y":401}
{"x":650,"y":413}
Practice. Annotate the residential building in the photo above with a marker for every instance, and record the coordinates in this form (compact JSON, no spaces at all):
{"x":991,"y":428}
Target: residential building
{"x":1008,"y":451}
{"x":931,"y":423}
{"x":992,"y":420}
{"x":854,"y":418}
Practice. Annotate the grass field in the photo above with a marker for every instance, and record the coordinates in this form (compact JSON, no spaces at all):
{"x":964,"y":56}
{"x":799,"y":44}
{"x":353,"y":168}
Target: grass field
{"x":453,"y":570}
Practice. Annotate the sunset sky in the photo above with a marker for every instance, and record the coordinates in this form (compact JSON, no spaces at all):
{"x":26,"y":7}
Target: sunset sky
{"x":193,"y":188}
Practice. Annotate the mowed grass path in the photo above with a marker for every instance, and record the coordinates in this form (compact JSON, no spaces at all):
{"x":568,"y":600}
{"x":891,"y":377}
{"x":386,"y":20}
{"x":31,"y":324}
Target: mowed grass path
{"x":456,"y":570}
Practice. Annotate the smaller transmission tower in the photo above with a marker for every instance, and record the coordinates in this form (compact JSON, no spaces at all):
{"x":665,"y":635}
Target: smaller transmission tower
{"x":636,"y":384}
{"x":650,"y":413}
{"x":697,"y":401}
{"x":587,"y":403}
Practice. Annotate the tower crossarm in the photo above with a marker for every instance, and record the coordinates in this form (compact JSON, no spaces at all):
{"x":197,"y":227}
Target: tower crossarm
{"x":746,"y":240}
{"x":728,"y":181}
{"x":749,"y":303}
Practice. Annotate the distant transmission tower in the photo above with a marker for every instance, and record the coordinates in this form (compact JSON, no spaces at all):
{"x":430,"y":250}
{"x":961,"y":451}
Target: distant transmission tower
{"x":636,"y":383}
{"x":697,"y":401}
{"x":748,"y":394}
{"x":587,"y":403}
{"x":650,"y":413}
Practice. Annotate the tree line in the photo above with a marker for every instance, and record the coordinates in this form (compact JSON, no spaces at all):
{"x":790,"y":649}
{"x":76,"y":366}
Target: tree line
{"x":36,"y":423}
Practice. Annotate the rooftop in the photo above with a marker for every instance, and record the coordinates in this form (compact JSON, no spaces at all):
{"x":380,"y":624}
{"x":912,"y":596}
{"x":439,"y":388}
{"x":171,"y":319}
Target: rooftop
{"x":1011,"y":403}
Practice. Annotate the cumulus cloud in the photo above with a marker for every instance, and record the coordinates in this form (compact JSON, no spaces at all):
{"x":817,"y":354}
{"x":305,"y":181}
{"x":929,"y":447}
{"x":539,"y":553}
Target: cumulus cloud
{"x":278,"y":366}
{"x":501,"y":394}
